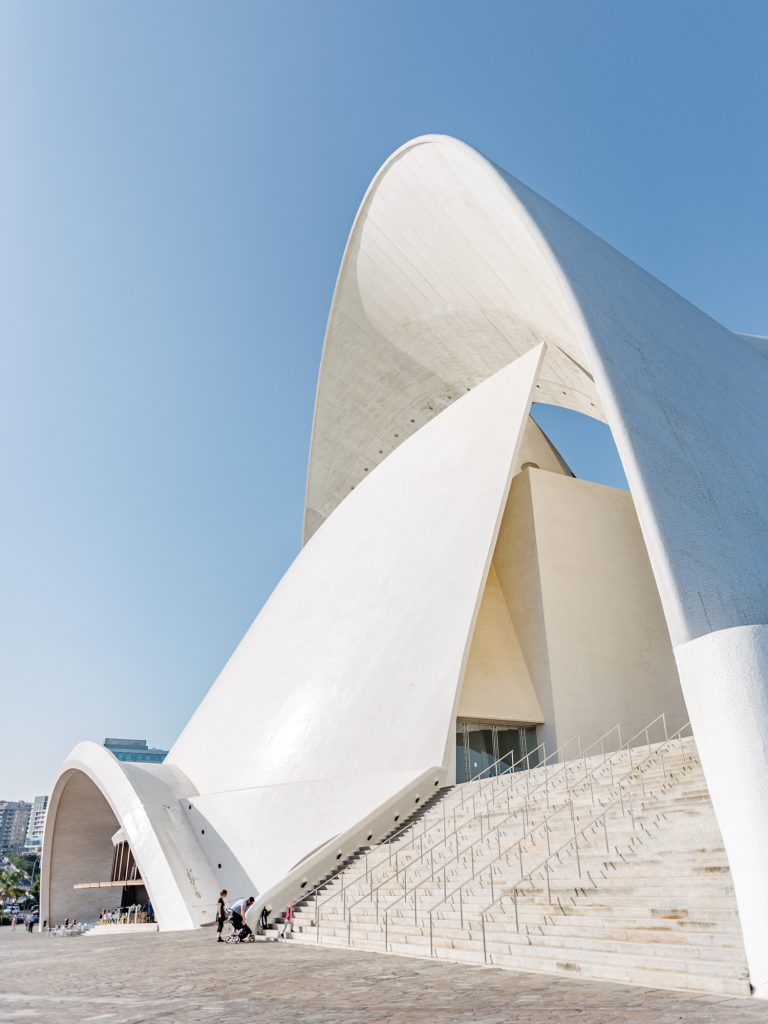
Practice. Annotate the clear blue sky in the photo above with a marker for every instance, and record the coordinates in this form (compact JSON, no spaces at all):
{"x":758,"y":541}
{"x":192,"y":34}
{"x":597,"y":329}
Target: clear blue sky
{"x":176,"y":186}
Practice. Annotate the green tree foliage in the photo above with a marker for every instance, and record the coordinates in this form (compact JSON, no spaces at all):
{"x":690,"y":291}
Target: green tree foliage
{"x":23,"y":861}
{"x":11,"y":888}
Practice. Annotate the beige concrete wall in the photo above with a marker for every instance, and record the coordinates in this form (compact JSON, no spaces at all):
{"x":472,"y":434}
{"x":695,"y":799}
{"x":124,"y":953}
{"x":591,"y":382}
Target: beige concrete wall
{"x":497,"y":684}
{"x":516,"y":563}
{"x":583,"y":607}
{"x":609,"y":651}
{"x":538,"y":452}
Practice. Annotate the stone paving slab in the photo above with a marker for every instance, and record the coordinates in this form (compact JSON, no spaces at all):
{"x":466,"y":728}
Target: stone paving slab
{"x":187,"y":978}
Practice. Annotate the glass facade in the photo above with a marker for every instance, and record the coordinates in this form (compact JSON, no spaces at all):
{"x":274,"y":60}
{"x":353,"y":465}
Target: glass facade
{"x":134,"y":750}
{"x":491,"y":748}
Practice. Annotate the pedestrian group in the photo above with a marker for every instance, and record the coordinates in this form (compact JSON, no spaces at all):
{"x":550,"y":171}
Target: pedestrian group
{"x":236,"y":914}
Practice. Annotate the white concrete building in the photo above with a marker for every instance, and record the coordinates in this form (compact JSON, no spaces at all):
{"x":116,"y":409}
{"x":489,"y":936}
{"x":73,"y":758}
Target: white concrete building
{"x":460,"y":596}
{"x":14,"y":819}
{"x":36,"y":826}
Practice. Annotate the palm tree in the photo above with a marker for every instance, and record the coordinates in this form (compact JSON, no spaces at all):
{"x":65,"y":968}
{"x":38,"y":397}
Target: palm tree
{"x":10,"y":888}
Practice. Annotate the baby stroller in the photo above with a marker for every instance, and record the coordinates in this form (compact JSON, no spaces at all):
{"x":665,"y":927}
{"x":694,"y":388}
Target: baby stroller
{"x":241,"y":932}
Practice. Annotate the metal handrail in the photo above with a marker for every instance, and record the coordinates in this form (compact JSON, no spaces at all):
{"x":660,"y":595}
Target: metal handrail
{"x":405,"y":828}
{"x":544,"y":865}
{"x":543,"y":785}
{"x":627,"y":745}
{"x":446,"y":836}
{"x":545,"y":824}
{"x":518,"y":843}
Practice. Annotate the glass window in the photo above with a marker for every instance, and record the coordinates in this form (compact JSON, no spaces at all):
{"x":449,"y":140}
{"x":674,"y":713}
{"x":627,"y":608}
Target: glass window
{"x":484,"y":749}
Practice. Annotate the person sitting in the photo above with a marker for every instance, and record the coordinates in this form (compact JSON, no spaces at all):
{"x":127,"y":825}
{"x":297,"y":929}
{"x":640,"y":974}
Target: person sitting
{"x":239,"y":909}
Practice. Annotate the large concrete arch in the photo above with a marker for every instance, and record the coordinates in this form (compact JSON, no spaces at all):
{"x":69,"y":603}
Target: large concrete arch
{"x":463,"y":293}
{"x":453,"y":268}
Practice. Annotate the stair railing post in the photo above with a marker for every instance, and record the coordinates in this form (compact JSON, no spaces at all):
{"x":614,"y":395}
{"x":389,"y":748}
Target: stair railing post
{"x":517,"y":919}
{"x":472,"y":859}
{"x":490,"y":875}
{"x":664,"y":723}
{"x":386,"y":930}
{"x":631,"y":812}
{"x":482,"y":923}
{"x":605,"y":829}
{"x":575,"y":839}
{"x":549,"y":890}
{"x":317,"y":920}
{"x":461,"y":908}
{"x":349,"y":929}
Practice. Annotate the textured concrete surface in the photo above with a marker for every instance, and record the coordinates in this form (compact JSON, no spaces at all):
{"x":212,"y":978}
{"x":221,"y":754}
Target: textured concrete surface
{"x":186,"y":977}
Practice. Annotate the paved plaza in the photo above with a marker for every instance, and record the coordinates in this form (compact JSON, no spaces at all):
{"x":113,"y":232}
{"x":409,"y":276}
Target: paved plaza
{"x":187,"y":978}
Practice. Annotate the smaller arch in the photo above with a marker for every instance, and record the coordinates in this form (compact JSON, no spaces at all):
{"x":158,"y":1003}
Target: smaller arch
{"x":95,"y":796}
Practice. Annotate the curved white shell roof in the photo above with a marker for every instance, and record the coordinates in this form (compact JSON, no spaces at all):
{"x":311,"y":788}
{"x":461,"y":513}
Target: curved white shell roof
{"x":453,"y":269}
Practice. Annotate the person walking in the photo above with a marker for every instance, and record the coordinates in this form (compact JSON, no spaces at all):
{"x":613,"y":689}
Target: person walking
{"x":14,"y":920}
{"x":28,"y":920}
{"x":287,"y":923}
{"x":221,"y":915}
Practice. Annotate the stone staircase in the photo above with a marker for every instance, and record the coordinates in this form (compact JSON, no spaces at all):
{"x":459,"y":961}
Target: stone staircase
{"x":607,"y":866}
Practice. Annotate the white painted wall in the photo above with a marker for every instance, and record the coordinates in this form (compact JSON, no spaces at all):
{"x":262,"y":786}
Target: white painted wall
{"x":727,"y":671}
{"x":350,"y":675}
